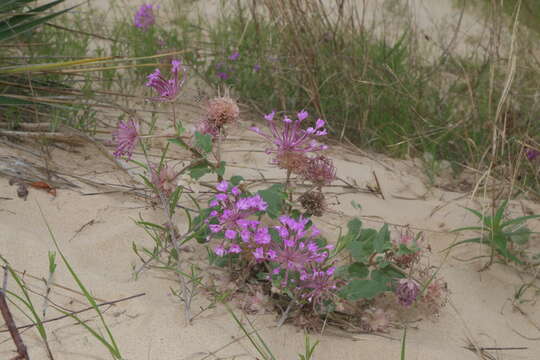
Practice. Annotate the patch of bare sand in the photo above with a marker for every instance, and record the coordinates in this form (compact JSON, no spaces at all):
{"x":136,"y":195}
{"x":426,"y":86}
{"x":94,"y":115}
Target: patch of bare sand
{"x":96,"y":232}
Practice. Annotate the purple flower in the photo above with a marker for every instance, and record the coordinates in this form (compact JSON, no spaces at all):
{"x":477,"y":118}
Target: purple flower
{"x":235,"y":249}
{"x":234,"y":56}
{"x":407,"y":292}
{"x":291,"y":142}
{"x":297,"y":248}
{"x":223,"y":75}
{"x":222,"y":186}
{"x":532,"y":154}
{"x":256,"y":67}
{"x":167,"y":89}
{"x":317,"y":286}
{"x":232,"y":217}
{"x":126,"y":137}
{"x":144,"y":17}
{"x":219,"y":250}
{"x":258,"y":254}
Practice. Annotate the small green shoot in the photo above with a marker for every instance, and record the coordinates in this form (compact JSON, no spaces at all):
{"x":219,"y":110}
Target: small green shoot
{"x":501,"y":235}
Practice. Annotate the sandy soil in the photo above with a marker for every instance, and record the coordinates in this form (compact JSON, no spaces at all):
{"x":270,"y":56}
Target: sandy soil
{"x":95,"y":229}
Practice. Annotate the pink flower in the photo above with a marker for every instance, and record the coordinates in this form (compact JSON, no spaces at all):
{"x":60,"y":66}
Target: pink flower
{"x":235,"y":249}
{"x":219,"y":250}
{"x":167,"y":89}
{"x":165,"y":180}
{"x":234,"y":56}
{"x":258,"y":254}
{"x":144,"y":18}
{"x":291,"y":140}
{"x":317,"y":286}
{"x":126,"y":137}
{"x":532,"y":154}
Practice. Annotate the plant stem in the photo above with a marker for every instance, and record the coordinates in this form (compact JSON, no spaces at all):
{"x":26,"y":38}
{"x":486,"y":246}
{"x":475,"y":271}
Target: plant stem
{"x":186,"y":294}
{"x":218,"y":155}
{"x":287,"y":186}
{"x":174,"y":116}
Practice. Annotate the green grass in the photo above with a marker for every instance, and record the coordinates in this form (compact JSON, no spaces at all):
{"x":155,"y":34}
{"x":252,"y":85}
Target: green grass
{"x":382,"y":95}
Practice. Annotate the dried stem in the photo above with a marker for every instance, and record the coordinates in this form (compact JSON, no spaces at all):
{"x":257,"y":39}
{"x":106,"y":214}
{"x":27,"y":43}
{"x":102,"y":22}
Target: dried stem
{"x":186,"y":294}
{"x":10,"y":323}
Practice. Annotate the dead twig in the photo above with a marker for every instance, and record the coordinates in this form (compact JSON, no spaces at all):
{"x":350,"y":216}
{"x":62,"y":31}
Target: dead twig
{"x":10,"y":323}
{"x":379,"y":189}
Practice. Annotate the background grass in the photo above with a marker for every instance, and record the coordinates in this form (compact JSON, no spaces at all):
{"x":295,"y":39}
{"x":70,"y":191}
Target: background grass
{"x":380,"y":92}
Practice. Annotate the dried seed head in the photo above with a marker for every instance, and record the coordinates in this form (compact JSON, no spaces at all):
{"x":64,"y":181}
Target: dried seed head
{"x":313,"y":202}
{"x":319,"y":170}
{"x":222,"y":111}
{"x":407,"y":292}
{"x":295,"y":162}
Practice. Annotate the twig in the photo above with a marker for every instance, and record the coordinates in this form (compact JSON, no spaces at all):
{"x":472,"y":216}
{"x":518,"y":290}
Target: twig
{"x":79,"y":311}
{"x":285,"y":314}
{"x":10,"y":323}
{"x":378,"y":185}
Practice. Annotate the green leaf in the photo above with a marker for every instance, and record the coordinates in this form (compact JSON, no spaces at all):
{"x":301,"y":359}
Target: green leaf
{"x":358,"y":270}
{"x":519,"y":220}
{"x":475,"y":212}
{"x":274,"y":196}
{"x":362,"y":289}
{"x":360,"y":251}
{"x":386,"y":274}
{"x":19,"y":24}
{"x":221,"y":169}
{"x":203,"y":142}
{"x":520,"y":236}
{"x":236,"y":180}
{"x":469,"y":228}
{"x":354,"y":226}
{"x":500,"y":212}
{"x":356,"y":205}
{"x":174,"y":199}
{"x":381,"y":242}
{"x":199,"y":171}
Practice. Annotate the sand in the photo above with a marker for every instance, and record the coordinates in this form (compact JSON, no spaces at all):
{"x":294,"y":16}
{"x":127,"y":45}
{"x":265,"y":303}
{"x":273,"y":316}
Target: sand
{"x":152,"y":326}
{"x":95,"y":230}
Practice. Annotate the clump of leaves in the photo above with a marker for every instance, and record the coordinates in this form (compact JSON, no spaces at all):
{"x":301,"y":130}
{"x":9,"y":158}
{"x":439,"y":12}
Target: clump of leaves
{"x":505,"y":237}
{"x":387,"y":273}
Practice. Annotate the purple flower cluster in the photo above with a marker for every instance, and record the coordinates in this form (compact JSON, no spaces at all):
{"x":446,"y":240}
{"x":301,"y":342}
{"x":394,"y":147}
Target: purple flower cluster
{"x":126,"y":137}
{"x":144,"y":17}
{"x":291,"y":143}
{"x":407,"y":292}
{"x":224,"y":70}
{"x":532,"y":154}
{"x":297,"y":261}
{"x":167,"y":89}
{"x":231,"y":219}
{"x":300,"y":263}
